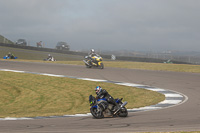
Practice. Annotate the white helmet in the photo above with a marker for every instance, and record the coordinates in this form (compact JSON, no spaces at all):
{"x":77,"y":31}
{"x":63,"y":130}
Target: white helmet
{"x":92,"y":50}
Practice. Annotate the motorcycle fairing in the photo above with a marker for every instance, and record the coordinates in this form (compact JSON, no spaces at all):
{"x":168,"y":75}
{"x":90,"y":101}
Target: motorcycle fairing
{"x":98,"y":100}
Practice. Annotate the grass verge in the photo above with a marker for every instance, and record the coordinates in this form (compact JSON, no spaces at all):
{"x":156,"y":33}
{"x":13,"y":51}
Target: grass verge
{"x":29,"y":95}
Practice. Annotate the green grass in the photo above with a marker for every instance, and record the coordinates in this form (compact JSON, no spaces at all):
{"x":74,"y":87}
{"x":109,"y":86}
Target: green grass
{"x":29,"y":95}
{"x":155,"y":66}
{"x":29,"y":55}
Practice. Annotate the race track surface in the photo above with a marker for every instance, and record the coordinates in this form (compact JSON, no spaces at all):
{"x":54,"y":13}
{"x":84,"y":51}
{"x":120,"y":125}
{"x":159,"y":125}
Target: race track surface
{"x":184,"y":117}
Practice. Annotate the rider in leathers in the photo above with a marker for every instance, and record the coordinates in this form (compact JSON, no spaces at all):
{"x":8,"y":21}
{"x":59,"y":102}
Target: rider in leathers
{"x":102,"y":93}
{"x":91,"y":54}
{"x":10,"y":55}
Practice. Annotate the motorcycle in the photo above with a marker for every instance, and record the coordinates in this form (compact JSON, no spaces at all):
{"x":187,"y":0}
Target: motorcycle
{"x":49,"y":59}
{"x":95,"y":61}
{"x":100,"y":108}
{"x":9,"y":57}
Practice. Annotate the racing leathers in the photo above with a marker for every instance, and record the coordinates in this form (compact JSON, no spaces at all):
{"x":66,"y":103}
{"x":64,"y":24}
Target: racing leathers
{"x":10,"y":55}
{"x":90,"y":55}
{"x":109,"y":98}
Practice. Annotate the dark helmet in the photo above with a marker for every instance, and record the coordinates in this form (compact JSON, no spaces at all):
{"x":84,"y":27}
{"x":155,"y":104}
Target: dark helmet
{"x":98,"y":89}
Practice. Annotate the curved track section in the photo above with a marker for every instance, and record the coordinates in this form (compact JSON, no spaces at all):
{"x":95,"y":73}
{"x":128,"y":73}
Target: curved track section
{"x":171,"y":98}
{"x":185,"y":117}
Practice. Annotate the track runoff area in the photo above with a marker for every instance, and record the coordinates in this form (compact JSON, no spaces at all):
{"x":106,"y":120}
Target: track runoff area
{"x":172,"y":98}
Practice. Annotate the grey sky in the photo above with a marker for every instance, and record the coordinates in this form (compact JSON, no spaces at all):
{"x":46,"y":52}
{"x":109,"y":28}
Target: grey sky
{"x":148,"y":25}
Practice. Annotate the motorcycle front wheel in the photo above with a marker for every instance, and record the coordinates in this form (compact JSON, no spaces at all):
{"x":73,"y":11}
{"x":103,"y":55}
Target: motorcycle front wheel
{"x":96,"y":114}
{"x":123,"y":112}
{"x":102,"y":66}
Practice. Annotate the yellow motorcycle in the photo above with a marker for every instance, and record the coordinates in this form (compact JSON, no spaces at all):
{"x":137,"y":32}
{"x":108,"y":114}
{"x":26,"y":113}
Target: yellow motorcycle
{"x":95,"y":61}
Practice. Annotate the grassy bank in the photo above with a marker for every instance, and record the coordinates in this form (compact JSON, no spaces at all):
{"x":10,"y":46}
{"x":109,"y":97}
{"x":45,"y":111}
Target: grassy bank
{"x":24,"y":54}
{"x":29,"y":95}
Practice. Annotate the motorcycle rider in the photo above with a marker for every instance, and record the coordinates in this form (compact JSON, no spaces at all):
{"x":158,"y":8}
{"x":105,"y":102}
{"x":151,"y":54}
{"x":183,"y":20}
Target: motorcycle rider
{"x":92,"y":54}
{"x":102,"y":93}
{"x":50,"y":58}
{"x":10,"y":55}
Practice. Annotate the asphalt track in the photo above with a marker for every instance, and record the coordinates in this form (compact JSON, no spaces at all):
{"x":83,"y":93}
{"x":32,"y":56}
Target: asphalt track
{"x":184,"y":117}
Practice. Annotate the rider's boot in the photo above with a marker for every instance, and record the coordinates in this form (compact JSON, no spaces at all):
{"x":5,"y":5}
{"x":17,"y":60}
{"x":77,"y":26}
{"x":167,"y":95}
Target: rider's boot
{"x":115,"y":107}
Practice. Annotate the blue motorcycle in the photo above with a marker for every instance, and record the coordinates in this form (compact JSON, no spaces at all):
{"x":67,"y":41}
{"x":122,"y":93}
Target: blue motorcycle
{"x":11,"y":57}
{"x":100,"y":108}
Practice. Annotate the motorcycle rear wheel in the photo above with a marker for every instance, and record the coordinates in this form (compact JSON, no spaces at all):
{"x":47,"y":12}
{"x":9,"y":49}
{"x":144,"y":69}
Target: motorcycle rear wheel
{"x":96,"y":114}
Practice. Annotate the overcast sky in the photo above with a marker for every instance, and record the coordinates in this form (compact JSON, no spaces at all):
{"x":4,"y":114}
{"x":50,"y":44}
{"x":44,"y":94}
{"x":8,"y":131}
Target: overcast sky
{"x":147,"y":25}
